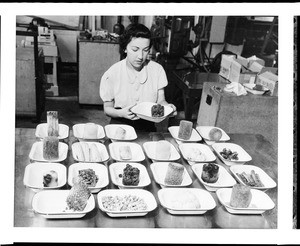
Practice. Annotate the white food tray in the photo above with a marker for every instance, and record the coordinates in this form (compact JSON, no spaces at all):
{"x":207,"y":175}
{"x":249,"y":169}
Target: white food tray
{"x":150,"y":150}
{"x":115,"y":169}
{"x":260,"y":202}
{"x":224,"y":180}
{"x":243,"y":156}
{"x":36,"y":152}
{"x":136,"y":151}
{"x":78,"y":132}
{"x":101,"y":148}
{"x":174,"y":200}
{"x":42,"y":131}
{"x":159,"y":170}
{"x":99,"y":169}
{"x":141,"y":193}
{"x":267,"y":181}
{"x":52,"y":204}
{"x":34,"y":175}
{"x":187,"y":148}
{"x":204,"y":132}
{"x":143,"y":111}
{"x":195,"y":137}
{"x":110,"y":131}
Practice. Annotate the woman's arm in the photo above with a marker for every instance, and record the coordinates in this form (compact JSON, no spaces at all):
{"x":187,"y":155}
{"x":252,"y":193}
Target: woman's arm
{"x":119,"y":113}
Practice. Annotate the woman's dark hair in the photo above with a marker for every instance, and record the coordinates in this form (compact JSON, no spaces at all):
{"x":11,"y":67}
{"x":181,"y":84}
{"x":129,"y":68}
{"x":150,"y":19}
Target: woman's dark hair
{"x":134,"y":30}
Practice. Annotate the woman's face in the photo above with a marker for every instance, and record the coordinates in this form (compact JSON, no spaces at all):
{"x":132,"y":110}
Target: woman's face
{"x":137,"y":51}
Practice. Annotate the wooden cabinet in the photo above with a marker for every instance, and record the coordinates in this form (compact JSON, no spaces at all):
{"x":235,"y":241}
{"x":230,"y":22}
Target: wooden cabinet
{"x":94,"y":58}
{"x":28,"y":101}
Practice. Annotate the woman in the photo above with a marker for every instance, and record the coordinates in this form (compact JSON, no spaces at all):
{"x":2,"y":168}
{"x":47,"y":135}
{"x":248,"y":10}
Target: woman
{"x":133,"y":80}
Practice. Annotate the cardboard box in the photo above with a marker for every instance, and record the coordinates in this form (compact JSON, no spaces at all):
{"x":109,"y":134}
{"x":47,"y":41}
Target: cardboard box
{"x":243,"y":61}
{"x":268,"y":80}
{"x":235,"y":69}
{"x":255,"y":114}
{"x":256,"y":67}
{"x":273,"y":70}
{"x":225,"y":66}
{"x":253,"y":59}
{"x":247,"y":77}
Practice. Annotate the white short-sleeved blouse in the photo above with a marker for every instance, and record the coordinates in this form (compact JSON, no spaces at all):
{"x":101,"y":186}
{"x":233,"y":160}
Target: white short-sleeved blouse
{"x":119,"y":84}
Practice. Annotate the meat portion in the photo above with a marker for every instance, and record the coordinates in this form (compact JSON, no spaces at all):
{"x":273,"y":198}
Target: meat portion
{"x":79,"y":195}
{"x":157,"y":110}
{"x":89,"y":176}
{"x":131,"y":175}
{"x":210,"y":173}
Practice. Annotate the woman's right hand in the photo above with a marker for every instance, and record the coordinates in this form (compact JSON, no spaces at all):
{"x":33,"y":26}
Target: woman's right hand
{"x":126,"y":113}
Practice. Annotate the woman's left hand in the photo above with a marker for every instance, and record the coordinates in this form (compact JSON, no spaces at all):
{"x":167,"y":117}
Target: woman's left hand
{"x":174,"y":113}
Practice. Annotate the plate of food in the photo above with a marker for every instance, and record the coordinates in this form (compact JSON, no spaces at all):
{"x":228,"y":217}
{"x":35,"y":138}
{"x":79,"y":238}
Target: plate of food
{"x":231,"y":153}
{"x":255,"y":88}
{"x":88,"y":132}
{"x":170,"y":174}
{"x":89,"y":152}
{"x":129,"y":175}
{"x":120,"y":132}
{"x":126,"y":202}
{"x":196,"y":152}
{"x":62,"y":204}
{"x":212,"y":134}
{"x":42,"y":131}
{"x":184,"y":132}
{"x":45,"y":176}
{"x":49,"y":150}
{"x":95,"y":175}
{"x":152,"y":111}
{"x":161,"y":150}
{"x":213,"y":176}
{"x":241,"y":199}
{"x":126,"y":152}
{"x":252,"y":176}
{"x":186,"y":200}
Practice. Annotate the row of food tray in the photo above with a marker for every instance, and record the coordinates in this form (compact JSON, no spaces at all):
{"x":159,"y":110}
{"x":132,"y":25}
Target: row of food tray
{"x":260,"y":201}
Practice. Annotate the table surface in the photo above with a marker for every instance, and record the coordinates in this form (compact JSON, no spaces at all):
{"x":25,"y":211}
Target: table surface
{"x":262,"y":152}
